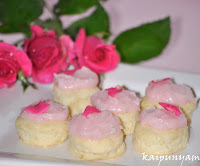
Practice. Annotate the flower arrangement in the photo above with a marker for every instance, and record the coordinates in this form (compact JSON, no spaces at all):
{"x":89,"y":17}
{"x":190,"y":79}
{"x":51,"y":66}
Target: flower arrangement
{"x":12,"y":61}
{"x":49,"y":48}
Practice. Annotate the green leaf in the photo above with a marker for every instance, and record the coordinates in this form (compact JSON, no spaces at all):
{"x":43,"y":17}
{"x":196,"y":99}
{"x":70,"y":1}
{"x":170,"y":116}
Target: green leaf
{"x":73,"y":6}
{"x":102,"y":78}
{"x":144,"y":42}
{"x":96,"y":23}
{"x":51,"y":24}
{"x":25,"y":82}
{"x":16,"y":15}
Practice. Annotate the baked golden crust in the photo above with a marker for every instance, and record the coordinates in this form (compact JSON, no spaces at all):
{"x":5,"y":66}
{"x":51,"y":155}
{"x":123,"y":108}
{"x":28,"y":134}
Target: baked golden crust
{"x":76,"y":100}
{"x":159,"y":142}
{"x":128,"y":121}
{"x":106,"y":148}
{"x":42,"y":134}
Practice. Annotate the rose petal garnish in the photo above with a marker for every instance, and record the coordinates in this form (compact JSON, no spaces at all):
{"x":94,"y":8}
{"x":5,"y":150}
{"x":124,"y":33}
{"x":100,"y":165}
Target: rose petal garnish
{"x":38,"y":108}
{"x":89,"y":110}
{"x":171,"y":108}
{"x":155,"y":82}
{"x":113,"y":91}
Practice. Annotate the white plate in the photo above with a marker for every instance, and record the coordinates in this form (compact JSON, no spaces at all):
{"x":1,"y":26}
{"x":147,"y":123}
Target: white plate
{"x":14,"y":152}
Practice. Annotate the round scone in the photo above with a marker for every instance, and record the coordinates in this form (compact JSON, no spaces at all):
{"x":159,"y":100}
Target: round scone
{"x":168,"y":92}
{"x":122,"y":103}
{"x":75,"y":90}
{"x":95,"y":135}
{"x":43,"y":124}
{"x":161,"y":131}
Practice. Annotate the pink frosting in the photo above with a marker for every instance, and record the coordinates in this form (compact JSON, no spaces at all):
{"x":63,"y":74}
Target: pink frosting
{"x":162,"y":119}
{"x":168,"y":92}
{"x":123,"y":102}
{"x":95,"y":126}
{"x":83,"y":78}
{"x":55,"y":112}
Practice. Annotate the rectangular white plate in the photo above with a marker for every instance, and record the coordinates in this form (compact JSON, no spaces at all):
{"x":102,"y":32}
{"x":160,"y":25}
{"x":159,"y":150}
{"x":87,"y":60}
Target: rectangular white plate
{"x":14,"y":152}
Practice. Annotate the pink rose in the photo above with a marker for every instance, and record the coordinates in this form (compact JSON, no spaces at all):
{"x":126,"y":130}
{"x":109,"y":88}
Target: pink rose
{"x":68,"y":45}
{"x":47,"y":54}
{"x":95,"y":54}
{"x":12,"y":61}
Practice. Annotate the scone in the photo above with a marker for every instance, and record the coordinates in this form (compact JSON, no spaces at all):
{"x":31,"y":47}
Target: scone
{"x":75,"y":90}
{"x":43,"y":124}
{"x":161,"y":131}
{"x":122,"y":103}
{"x":95,"y":135}
{"x":168,"y":92}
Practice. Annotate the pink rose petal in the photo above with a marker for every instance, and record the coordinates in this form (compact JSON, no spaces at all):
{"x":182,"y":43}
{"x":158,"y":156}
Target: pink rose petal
{"x":102,"y":59}
{"x":38,"y":108}
{"x":79,"y":44}
{"x":89,"y":110}
{"x":93,"y":53}
{"x":11,"y":61}
{"x":7,"y":47}
{"x":46,"y":76}
{"x":47,"y":53}
{"x":52,"y":33}
{"x":24,"y":62}
{"x":36,"y":30}
{"x":112,"y":91}
{"x":171,"y":108}
{"x":67,"y":46}
{"x":155,"y":82}
{"x":10,"y":79}
{"x":91,"y":44}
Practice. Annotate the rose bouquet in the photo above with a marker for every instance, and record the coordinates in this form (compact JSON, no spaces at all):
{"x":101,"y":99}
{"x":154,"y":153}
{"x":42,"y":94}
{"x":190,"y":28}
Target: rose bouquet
{"x":48,"y":48}
{"x":44,"y":54}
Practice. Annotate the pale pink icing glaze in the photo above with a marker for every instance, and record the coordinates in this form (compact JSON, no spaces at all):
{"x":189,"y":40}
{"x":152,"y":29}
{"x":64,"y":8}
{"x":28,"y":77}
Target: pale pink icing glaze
{"x":95,"y":126}
{"x":123,"y":102}
{"x":55,"y":112}
{"x":162,"y":119}
{"x":83,"y":78}
{"x":169,"y":92}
